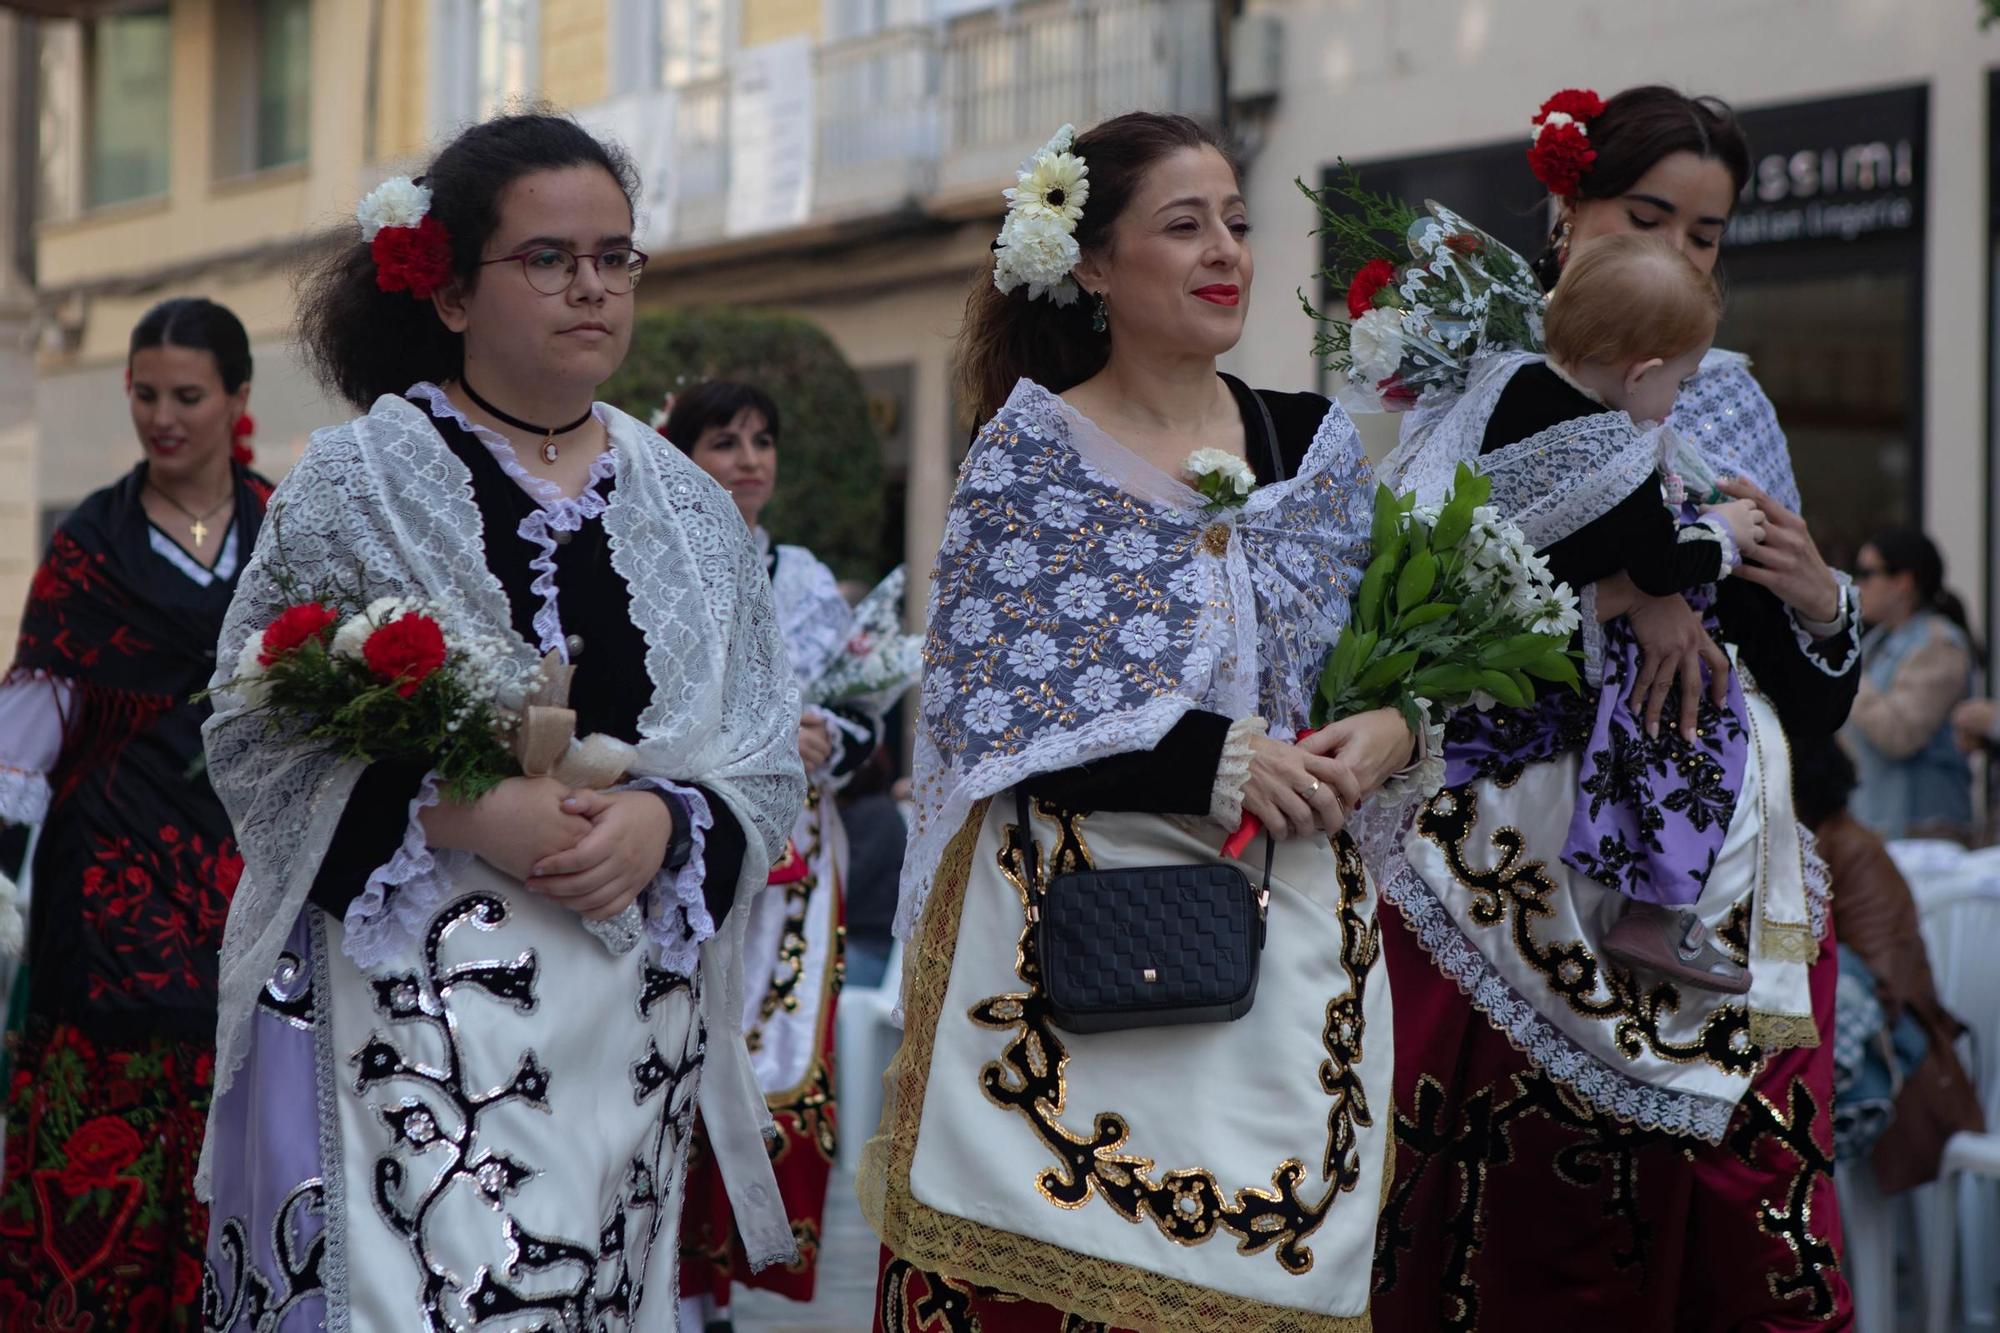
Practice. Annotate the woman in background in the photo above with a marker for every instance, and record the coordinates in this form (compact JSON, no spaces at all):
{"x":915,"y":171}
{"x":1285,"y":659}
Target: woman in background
{"x":100,"y":743}
{"x":1916,"y":663}
{"x":792,"y":963}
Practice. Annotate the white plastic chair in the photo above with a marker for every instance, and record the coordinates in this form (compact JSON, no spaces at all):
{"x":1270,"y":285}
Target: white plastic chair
{"x":1961,"y":927}
{"x":866,"y":1037}
{"x":1931,"y":865}
{"x":1868,"y":1224}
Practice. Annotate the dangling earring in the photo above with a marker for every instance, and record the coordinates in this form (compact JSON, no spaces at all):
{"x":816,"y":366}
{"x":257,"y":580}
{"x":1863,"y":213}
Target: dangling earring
{"x":1562,"y":238}
{"x":1099,"y":319}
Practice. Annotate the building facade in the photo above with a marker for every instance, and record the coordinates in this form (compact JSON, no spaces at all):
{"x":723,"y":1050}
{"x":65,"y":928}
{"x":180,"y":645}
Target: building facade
{"x":842,"y":159}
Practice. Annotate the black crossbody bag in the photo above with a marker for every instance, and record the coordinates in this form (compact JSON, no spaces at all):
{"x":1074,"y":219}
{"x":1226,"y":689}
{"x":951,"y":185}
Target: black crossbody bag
{"x":1150,"y":946}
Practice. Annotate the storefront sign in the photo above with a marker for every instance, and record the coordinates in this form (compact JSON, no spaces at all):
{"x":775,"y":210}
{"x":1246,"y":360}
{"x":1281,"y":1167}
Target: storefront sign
{"x":1838,"y":170}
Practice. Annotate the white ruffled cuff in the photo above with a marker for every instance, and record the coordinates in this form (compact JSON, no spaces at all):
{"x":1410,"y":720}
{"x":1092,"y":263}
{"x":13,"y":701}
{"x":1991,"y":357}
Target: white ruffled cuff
{"x":401,"y":896}
{"x":1419,"y":779}
{"x":1715,"y":528}
{"x":1593,"y":636}
{"x":24,"y":796}
{"x":677,"y":917}
{"x":1225,"y":803}
{"x":1813,"y":635}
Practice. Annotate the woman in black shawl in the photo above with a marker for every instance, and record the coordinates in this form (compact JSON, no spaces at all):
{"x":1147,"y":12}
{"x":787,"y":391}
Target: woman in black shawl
{"x":100,"y":743}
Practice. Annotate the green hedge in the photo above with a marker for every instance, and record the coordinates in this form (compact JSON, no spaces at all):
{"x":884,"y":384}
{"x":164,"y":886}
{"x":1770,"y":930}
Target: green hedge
{"x":829,"y":498}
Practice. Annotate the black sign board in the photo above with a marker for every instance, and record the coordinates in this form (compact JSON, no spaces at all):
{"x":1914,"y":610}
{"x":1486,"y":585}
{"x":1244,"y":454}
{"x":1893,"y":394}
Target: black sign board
{"x":1829,"y":171}
{"x":1833,"y":171}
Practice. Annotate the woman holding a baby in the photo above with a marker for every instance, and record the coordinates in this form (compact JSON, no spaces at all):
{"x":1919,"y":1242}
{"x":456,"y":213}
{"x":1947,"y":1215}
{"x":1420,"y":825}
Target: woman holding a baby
{"x":1607,"y":937}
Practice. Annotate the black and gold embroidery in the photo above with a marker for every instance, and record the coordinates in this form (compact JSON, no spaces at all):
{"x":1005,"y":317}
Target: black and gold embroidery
{"x":1187,"y":1205}
{"x":1604,"y":1156}
{"x":944,"y":1307}
{"x":1516,"y":892}
{"x":809,"y":1117}
{"x":1760,"y":1125}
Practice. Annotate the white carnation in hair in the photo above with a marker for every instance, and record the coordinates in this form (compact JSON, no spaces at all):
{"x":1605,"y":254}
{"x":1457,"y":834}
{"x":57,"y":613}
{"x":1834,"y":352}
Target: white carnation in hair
{"x":1376,"y":345}
{"x":1037,"y":251}
{"x":396,"y":202}
{"x":1555,"y":118}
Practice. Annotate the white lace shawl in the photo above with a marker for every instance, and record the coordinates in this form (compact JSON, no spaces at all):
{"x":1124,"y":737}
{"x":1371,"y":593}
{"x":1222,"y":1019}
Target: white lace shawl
{"x":1551,"y":483}
{"x":814,"y":618}
{"x":1083,"y":601}
{"x":383,"y":506}
{"x":1723,"y":412}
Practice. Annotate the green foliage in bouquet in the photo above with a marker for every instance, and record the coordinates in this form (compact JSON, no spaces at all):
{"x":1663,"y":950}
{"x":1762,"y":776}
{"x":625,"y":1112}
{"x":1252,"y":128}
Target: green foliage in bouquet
{"x":830,"y":497}
{"x":1452,"y":607}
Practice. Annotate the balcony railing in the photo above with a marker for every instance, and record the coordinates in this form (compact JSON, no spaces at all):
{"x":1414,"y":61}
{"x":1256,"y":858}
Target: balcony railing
{"x":877,"y":136}
{"x":912,"y":112}
{"x":1012,"y":77}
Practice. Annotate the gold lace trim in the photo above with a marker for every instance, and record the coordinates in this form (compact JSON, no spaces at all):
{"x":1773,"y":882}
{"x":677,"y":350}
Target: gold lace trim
{"x":1786,"y":943}
{"x":969,"y":1251}
{"x":1783,"y":1032}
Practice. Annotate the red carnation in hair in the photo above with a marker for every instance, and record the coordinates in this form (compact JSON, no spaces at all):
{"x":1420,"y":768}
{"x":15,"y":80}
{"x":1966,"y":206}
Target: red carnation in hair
{"x":406,"y":650}
{"x":415,"y":259}
{"x":1577,"y":103}
{"x":1373,"y":277}
{"x":294,"y":629}
{"x":239,"y":449}
{"x":1560,"y":156}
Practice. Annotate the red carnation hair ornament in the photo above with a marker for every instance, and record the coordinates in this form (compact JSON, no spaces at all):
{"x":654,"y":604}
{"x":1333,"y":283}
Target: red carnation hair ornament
{"x":1561,"y":152}
{"x":240,"y":435}
{"x":411,"y":250}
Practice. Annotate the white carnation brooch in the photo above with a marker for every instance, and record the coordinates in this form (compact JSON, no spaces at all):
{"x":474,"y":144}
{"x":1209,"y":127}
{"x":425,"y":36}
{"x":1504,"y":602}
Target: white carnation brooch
{"x":1223,"y":479}
{"x":1037,"y":245}
{"x":411,"y":250}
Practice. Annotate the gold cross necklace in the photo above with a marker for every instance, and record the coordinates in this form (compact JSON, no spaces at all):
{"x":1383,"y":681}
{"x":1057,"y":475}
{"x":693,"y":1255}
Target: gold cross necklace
{"x":198,"y":527}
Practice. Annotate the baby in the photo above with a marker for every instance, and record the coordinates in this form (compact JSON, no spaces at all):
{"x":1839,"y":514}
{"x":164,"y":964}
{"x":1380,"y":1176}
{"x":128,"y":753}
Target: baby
{"x":1626,"y":326}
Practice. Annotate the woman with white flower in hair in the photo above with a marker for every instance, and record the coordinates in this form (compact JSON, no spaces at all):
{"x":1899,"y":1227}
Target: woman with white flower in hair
{"x":1144,"y":565}
{"x":461,"y":1043}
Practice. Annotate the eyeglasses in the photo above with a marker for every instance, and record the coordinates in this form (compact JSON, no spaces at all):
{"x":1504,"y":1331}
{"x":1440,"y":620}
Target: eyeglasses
{"x":550,"y":269}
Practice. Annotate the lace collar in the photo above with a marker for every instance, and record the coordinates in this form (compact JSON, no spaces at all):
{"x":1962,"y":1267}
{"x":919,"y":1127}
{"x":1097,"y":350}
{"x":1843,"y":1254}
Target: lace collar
{"x":540,"y":489}
{"x":1055,"y":419}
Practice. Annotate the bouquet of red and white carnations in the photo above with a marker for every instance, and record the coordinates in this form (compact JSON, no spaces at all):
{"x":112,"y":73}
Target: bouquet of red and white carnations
{"x":1413,"y":324}
{"x":382,"y":683}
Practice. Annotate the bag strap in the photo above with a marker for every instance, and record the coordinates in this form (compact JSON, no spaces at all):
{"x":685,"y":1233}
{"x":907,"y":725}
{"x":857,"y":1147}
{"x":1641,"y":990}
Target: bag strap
{"x":1264,"y":418}
{"x":1030,"y":854}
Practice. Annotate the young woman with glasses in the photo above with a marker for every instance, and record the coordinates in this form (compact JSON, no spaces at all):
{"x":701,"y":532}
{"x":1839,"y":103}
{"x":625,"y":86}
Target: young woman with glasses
{"x":460,"y":1044}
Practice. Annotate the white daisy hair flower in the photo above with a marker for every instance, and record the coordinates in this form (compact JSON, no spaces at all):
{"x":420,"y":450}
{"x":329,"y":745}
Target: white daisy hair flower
{"x":1037,"y":246}
{"x":396,"y":202}
{"x":1055,"y":182}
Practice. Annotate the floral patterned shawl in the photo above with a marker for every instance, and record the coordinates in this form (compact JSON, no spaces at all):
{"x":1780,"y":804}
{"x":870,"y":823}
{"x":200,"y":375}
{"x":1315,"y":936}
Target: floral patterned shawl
{"x":1083,"y":601}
